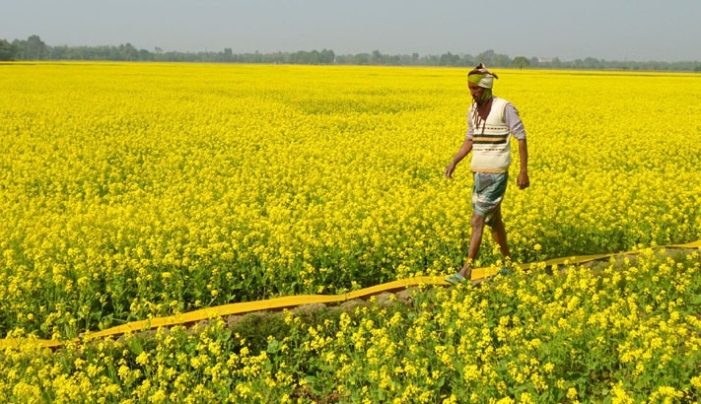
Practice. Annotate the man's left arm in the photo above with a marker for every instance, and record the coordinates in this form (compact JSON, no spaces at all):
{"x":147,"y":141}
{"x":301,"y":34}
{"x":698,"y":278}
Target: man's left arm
{"x":522,"y":180}
{"x":513,"y":120}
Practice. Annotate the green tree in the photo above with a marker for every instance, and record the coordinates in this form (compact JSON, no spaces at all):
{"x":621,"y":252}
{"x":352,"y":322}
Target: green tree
{"x":502,"y":60}
{"x":376,"y":57}
{"x":327,"y":56}
{"x":487,"y":57}
{"x":35,"y":48}
{"x":127,"y":52}
{"x":7,"y":50}
{"x":448,"y":59}
{"x":520,"y":62}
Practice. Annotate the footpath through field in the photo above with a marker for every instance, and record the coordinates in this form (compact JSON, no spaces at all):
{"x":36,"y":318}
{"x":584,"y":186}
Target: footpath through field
{"x":289,"y":302}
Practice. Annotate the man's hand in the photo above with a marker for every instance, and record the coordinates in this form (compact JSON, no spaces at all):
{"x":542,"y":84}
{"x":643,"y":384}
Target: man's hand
{"x":449,"y":170}
{"x":464,"y":149}
{"x":522,"y":180}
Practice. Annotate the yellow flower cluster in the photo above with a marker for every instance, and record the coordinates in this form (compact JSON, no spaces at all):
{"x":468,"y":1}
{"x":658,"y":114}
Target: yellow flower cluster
{"x":627,"y":332}
{"x":135,"y":190}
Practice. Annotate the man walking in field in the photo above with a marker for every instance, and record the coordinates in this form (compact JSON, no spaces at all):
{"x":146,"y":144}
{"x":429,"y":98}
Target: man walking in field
{"x":491,"y":122}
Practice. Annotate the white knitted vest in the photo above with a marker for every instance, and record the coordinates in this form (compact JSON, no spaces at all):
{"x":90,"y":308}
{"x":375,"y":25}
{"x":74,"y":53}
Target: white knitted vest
{"x":491,"y":150}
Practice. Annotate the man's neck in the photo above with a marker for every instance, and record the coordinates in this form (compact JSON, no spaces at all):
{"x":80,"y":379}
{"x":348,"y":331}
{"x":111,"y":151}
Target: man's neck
{"x":484,"y":104}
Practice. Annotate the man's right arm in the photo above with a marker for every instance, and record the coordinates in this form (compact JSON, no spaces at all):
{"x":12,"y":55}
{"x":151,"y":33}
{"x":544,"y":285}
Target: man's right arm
{"x":466,"y":145}
{"x":464,"y":151}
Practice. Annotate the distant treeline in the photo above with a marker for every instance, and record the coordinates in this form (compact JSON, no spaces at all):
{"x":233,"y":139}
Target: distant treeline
{"x":33,"y":48}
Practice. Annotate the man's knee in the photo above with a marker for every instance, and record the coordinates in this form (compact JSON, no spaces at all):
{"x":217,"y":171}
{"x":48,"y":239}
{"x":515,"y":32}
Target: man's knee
{"x":495,"y":223}
{"x":477,"y":222}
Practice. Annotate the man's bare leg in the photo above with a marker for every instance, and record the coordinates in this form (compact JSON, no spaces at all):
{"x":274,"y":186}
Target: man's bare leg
{"x":477,"y":223}
{"x":499,"y":233}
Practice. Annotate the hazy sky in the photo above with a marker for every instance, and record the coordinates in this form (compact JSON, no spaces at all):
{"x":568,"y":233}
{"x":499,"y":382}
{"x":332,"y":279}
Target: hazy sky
{"x":614,"y":29}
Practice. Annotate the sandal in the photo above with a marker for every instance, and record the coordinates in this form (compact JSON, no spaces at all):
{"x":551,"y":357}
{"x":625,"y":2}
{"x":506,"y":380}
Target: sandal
{"x":455,"y":279}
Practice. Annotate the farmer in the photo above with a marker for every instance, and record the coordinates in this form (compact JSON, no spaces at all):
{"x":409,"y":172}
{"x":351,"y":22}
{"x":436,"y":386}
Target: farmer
{"x":490,"y":123}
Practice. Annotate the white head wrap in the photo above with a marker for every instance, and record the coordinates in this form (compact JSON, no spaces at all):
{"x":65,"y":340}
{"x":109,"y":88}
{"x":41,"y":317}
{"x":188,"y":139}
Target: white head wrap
{"x":482,"y":77}
{"x":487,"y":81}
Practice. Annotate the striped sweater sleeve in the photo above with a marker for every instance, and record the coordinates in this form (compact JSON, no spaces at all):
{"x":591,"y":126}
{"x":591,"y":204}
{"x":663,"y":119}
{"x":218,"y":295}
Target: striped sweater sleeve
{"x":470,"y":128}
{"x":513,"y":121}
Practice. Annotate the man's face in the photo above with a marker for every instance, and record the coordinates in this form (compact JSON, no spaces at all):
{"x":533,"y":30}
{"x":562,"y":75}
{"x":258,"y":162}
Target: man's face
{"x":476,"y":92}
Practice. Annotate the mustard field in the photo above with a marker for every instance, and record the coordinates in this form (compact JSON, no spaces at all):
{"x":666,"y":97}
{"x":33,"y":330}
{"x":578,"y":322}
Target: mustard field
{"x":627,"y":333}
{"x":129,"y":191}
